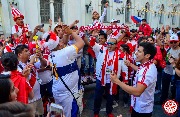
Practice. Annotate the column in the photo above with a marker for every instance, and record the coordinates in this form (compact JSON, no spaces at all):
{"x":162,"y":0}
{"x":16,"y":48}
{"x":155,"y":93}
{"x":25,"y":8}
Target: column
{"x":52,"y":12}
{"x":6,"y":17}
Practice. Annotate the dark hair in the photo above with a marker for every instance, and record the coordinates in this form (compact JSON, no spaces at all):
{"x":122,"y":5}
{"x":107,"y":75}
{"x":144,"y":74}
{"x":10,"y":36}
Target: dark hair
{"x":148,"y":48}
{"x":1,"y":44}
{"x":133,"y":30}
{"x":18,"y":109}
{"x":141,"y":39}
{"x":126,"y":48}
{"x":144,"y":20}
{"x":5,"y":88}
{"x":151,"y":38}
{"x":20,"y":48}
{"x":9,"y":61}
{"x":5,"y":112}
{"x":104,"y":34}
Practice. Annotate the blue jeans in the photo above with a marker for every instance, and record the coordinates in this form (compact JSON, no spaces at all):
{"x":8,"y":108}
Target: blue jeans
{"x":99,"y":91}
{"x":178,"y":95}
{"x":89,"y":64}
{"x":159,"y":80}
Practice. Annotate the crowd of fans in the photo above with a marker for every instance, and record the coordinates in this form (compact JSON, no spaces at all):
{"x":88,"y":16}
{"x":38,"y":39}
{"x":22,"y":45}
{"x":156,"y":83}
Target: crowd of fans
{"x":41,"y":67}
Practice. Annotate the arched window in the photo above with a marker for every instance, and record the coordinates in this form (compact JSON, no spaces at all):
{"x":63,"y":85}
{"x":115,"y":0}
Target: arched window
{"x":147,"y":9}
{"x":58,"y":10}
{"x":161,"y":14}
{"x":128,"y":11}
{"x":44,"y":11}
{"x":173,"y":16}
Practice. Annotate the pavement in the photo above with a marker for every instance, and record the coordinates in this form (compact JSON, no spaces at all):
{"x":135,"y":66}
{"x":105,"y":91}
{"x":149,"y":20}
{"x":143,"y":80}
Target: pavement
{"x":120,"y":109}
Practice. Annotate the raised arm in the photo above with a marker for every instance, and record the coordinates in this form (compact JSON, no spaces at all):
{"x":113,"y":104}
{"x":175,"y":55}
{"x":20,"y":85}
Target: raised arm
{"x":101,"y":19}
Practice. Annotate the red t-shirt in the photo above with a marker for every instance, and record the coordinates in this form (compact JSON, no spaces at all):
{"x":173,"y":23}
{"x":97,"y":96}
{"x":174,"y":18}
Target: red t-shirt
{"x":24,"y":87}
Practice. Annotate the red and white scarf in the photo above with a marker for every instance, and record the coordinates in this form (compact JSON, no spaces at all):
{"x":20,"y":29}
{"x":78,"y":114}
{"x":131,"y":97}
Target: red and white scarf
{"x":113,"y":89}
{"x":22,"y":39}
{"x":146,"y":67}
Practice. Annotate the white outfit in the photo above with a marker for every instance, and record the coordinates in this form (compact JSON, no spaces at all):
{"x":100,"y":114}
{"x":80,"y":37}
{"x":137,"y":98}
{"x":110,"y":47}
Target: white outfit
{"x":45,"y":76}
{"x":67,"y":69}
{"x":100,"y":55}
{"x":146,"y":75}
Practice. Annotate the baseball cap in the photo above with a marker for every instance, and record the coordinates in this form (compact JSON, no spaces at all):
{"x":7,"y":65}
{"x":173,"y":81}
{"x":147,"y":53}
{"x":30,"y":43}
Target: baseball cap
{"x":113,"y":20}
{"x":174,"y":37}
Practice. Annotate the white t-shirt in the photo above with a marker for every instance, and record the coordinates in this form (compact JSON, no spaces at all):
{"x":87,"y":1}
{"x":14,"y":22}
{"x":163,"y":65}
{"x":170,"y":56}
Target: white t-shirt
{"x":146,"y":75}
{"x":45,"y":76}
{"x":65,"y":59}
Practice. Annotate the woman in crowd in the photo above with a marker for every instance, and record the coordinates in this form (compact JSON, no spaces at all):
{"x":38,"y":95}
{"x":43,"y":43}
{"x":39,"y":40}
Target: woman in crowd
{"x":8,"y":92}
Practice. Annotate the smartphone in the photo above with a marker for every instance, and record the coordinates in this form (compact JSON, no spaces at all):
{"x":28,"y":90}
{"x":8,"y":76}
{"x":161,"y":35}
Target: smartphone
{"x":56,"y":110}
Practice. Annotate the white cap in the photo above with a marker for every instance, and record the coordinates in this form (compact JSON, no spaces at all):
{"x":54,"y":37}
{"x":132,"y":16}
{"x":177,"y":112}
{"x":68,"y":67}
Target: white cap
{"x":174,"y":37}
{"x":113,"y":20}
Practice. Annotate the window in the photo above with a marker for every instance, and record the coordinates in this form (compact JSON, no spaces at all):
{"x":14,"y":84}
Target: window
{"x":173,"y":16}
{"x":58,"y":8}
{"x":147,"y":8}
{"x":127,"y":11}
{"x":44,"y":11}
{"x":161,"y":14}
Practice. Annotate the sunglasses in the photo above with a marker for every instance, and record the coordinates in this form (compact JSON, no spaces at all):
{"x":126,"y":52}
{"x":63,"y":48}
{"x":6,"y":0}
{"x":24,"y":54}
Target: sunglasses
{"x":111,"y":43}
{"x":173,"y":42}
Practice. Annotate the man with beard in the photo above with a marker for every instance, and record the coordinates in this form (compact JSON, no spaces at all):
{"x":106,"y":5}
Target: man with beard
{"x":21,"y":32}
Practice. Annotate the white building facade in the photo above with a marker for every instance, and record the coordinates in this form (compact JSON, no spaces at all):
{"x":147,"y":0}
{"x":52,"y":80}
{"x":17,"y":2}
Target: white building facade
{"x":157,"y":13}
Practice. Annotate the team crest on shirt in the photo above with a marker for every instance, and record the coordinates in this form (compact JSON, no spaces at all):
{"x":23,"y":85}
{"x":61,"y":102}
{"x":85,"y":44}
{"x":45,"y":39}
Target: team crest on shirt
{"x":170,"y":107}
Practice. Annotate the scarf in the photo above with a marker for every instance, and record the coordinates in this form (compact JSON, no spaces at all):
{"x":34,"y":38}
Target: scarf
{"x":113,"y":89}
{"x":23,"y":37}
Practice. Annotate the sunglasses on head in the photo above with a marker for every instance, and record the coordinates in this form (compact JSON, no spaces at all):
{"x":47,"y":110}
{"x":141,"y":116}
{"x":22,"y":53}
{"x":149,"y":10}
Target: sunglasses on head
{"x":111,"y":43}
{"x":171,"y":42}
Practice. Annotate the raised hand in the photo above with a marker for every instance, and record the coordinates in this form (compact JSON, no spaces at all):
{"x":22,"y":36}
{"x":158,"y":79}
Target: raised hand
{"x":127,"y":63}
{"x":66,"y":29}
{"x":114,"y":77}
